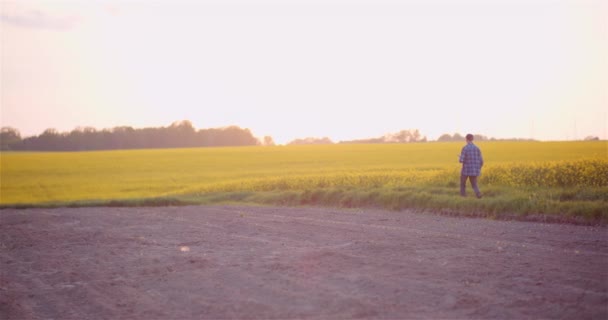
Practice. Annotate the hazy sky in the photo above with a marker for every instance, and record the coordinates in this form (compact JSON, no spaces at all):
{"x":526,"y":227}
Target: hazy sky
{"x":292,"y":69}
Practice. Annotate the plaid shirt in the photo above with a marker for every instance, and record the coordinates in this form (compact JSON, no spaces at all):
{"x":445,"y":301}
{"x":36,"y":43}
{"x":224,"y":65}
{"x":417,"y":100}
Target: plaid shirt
{"x":471,"y":160}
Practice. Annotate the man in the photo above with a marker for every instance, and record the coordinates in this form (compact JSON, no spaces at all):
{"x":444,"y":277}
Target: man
{"x":471,"y":160}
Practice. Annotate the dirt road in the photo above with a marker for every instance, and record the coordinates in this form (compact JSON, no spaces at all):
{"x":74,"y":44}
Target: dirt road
{"x":284,"y":263}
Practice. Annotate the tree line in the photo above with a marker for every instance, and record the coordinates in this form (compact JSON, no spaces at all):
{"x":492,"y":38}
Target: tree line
{"x":180,"y":134}
{"x":446,"y":137}
{"x":407,"y":136}
{"x":403,"y":136}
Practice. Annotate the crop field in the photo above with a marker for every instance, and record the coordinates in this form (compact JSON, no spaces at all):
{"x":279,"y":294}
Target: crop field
{"x":558,"y":179}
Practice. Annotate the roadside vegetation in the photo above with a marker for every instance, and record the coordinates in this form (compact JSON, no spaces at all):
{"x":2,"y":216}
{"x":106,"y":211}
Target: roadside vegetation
{"x":552,"y":180}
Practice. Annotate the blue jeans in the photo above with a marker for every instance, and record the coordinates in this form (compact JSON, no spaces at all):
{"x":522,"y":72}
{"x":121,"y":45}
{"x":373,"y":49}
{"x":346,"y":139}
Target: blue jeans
{"x":463,"y":185}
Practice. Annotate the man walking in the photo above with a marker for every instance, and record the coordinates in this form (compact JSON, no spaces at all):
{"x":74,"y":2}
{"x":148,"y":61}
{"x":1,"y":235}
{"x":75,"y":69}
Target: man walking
{"x":471,"y":160}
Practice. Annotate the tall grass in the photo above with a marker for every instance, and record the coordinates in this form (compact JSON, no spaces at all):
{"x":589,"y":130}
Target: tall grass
{"x":522,"y":178}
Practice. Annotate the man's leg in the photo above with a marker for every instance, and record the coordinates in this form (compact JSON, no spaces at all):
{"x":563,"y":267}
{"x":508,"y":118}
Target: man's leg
{"x":474,"y":185}
{"x":463,"y":185}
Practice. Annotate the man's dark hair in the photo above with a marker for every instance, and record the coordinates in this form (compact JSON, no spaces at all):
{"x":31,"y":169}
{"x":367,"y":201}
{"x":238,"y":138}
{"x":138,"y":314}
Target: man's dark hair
{"x":470,"y":137}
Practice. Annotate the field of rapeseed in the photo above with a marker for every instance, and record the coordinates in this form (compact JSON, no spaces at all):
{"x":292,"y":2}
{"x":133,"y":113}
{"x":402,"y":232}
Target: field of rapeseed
{"x":522,"y":178}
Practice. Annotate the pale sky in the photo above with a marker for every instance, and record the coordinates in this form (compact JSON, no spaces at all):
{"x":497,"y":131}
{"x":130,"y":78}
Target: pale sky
{"x":291,"y":69}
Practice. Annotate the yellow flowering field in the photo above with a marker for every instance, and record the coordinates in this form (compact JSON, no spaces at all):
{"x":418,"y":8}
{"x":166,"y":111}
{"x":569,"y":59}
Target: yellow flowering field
{"x":375,"y":170}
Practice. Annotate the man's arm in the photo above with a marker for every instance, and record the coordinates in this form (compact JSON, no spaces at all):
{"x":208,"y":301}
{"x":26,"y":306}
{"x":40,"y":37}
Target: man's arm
{"x":461,"y":159}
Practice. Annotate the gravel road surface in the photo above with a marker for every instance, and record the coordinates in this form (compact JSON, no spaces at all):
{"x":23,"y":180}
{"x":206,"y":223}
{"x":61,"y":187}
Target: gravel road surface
{"x":225,"y":262}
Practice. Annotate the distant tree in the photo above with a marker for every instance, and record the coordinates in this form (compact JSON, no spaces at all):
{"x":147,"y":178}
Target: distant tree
{"x":458,"y":137}
{"x":185,"y":125}
{"x":403,"y":136}
{"x":268,"y":141}
{"x":9,"y":138}
{"x":123,"y":138}
{"x":592,"y":138}
{"x":240,"y":137}
{"x":479,"y":137}
{"x":416,"y":136}
{"x":311,"y":140}
{"x":181,"y":134}
{"x":81,"y":138}
{"x":445,"y":137}
{"x":49,"y":140}
{"x":229,"y":136}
